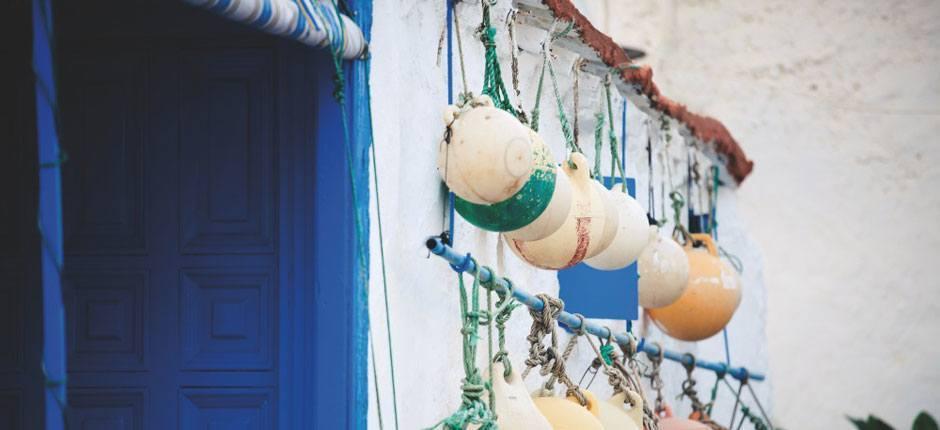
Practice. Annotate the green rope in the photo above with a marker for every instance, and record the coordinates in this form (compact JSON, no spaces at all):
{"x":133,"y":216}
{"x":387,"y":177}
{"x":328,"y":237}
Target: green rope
{"x":612,"y":138}
{"x":493,"y":84}
{"x":755,"y":420}
{"x":562,"y":118}
{"x":339,"y":93}
{"x":598,"y":143}
{"x":473,"y":410}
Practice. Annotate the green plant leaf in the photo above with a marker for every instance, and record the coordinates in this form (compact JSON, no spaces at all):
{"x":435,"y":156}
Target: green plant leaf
{"x":924,"y":422}
{"x":859,"y":423}
{"x":875,"y":423}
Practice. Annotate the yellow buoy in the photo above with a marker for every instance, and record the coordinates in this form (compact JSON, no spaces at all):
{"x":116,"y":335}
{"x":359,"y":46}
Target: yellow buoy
{"x":710,"y":299}
{"x":614,"y":413}
{"x":564,"y":414}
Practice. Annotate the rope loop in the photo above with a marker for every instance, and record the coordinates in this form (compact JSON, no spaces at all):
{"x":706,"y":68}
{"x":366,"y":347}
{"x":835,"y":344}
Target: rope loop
{"x":464,"y":265}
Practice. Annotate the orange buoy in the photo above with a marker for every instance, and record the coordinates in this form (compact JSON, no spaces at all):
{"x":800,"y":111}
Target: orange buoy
{"x":710,"y":299}
{"x":668,"y":422}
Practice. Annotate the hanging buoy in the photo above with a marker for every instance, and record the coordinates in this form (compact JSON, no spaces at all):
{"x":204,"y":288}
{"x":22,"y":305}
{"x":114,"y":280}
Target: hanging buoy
{"x":563,"y":414}
{"x":664,"y":271}
{"x":515,"y":409}
{"x":615,"y":415}
{"x":669,"y":422}
{"x":631,"y":236}
{"x":591,"y":402}
{"x":554,"y":216}
{"x":579,"y":235}
{"x":710,"y":299}
{"x":611,"y":220}
{"x":536,"y":211}
{"x":488,"y":155}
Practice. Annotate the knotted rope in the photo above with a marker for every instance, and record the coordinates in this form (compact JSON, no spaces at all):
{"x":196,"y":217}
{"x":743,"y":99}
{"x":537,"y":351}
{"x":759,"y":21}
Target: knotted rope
{"x":547,"y":358}
{"x":473,"y":410}
{"x":493,"y":84}
{"x":699,"y":412}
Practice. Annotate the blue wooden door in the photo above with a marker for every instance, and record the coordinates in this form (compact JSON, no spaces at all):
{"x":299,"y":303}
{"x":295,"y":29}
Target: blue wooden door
{"x":21,"y":389}
{"x":182,"y":220}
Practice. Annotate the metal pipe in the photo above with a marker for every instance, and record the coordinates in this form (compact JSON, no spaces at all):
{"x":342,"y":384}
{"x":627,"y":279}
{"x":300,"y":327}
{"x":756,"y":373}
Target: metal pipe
{"x":311,"y":22}
{"x":465,"y":263}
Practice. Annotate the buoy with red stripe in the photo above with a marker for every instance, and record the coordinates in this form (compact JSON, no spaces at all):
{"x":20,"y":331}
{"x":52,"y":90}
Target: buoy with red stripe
{"x":580,"y":235}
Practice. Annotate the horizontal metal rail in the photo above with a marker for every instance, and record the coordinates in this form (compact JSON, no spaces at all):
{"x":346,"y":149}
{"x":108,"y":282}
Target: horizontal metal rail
{"x":465,"y":263}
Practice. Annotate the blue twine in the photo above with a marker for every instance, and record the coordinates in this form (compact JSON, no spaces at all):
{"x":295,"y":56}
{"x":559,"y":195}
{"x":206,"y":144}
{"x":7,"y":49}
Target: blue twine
{"x":639,"y":346}
{"x":464,"y":265}
{"x":450,"y":99}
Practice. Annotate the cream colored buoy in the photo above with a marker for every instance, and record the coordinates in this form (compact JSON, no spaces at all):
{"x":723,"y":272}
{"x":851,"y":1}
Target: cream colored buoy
{"x":554,"y":216}
{"x":591,"y":403}
{"x":515,"y":409}
{"x":536,"y":211}
{"x":631,"y":237}
{"x":615,"y":415}
{"x":578,"y":237}
{"x":488,"y":156}
{"x":611,"y":220}
{"x":564,"y":414}
{"x":710,"y":299}
{"x":664,"y":271}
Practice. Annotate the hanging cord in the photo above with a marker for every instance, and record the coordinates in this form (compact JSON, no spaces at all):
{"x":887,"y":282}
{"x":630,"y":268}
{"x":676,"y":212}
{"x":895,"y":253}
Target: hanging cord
{"x":493,"y":84}
{"x":632,"y":372}
{"x":678,"y":231}
{"x":514,"y":61}
{"x":656,"y":381}
{"x":339,"y":95}
{"x":473,"y":410}
{"x":548,"y":358}
{"x":576,"y":95}
{"x":664,"y":130}
{"x":649,"y":162}
{"x":688,"y":390}
{"x":550,"y":37}
{"x":598,"y":145}
{"x":612,"y":137}
{"x":504,"y":308}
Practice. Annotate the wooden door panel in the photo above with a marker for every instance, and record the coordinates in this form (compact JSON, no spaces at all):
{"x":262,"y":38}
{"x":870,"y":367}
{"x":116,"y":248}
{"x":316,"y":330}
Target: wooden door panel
{"x":227,"y":194}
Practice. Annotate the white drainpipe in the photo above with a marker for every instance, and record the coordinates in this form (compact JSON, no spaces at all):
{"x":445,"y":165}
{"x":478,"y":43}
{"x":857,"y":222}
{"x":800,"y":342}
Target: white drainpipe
{"x":311,"y":22}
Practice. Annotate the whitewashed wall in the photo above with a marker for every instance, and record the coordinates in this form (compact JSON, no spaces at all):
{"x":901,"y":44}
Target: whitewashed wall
{"x":838,"y":102}
{"x":408,"y":96}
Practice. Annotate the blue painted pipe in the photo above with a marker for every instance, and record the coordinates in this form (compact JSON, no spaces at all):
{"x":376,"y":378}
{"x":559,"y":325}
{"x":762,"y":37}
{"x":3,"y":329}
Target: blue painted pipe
{"x":465,"y":263}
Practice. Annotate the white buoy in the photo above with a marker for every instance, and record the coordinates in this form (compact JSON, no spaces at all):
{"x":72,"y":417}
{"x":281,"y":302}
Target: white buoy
{"x":664,"y":271}
{"x":631,"y":238}
{"x":488,"y":156}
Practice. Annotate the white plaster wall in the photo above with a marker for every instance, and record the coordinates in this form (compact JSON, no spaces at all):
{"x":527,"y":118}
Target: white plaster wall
{"x":408,"y":96}
{"x":838,"y":102}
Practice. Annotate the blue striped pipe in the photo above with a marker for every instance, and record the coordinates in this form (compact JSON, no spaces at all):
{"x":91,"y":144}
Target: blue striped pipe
{"x":289,"y":18}
{"x":463,"y":263}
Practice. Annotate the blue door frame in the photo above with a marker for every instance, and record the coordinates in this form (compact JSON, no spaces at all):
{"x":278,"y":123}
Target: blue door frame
{"x":328,"y":342}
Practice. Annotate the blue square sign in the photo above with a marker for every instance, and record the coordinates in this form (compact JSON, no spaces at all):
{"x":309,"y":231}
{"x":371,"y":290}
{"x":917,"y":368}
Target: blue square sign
{"x":604,"y":294}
